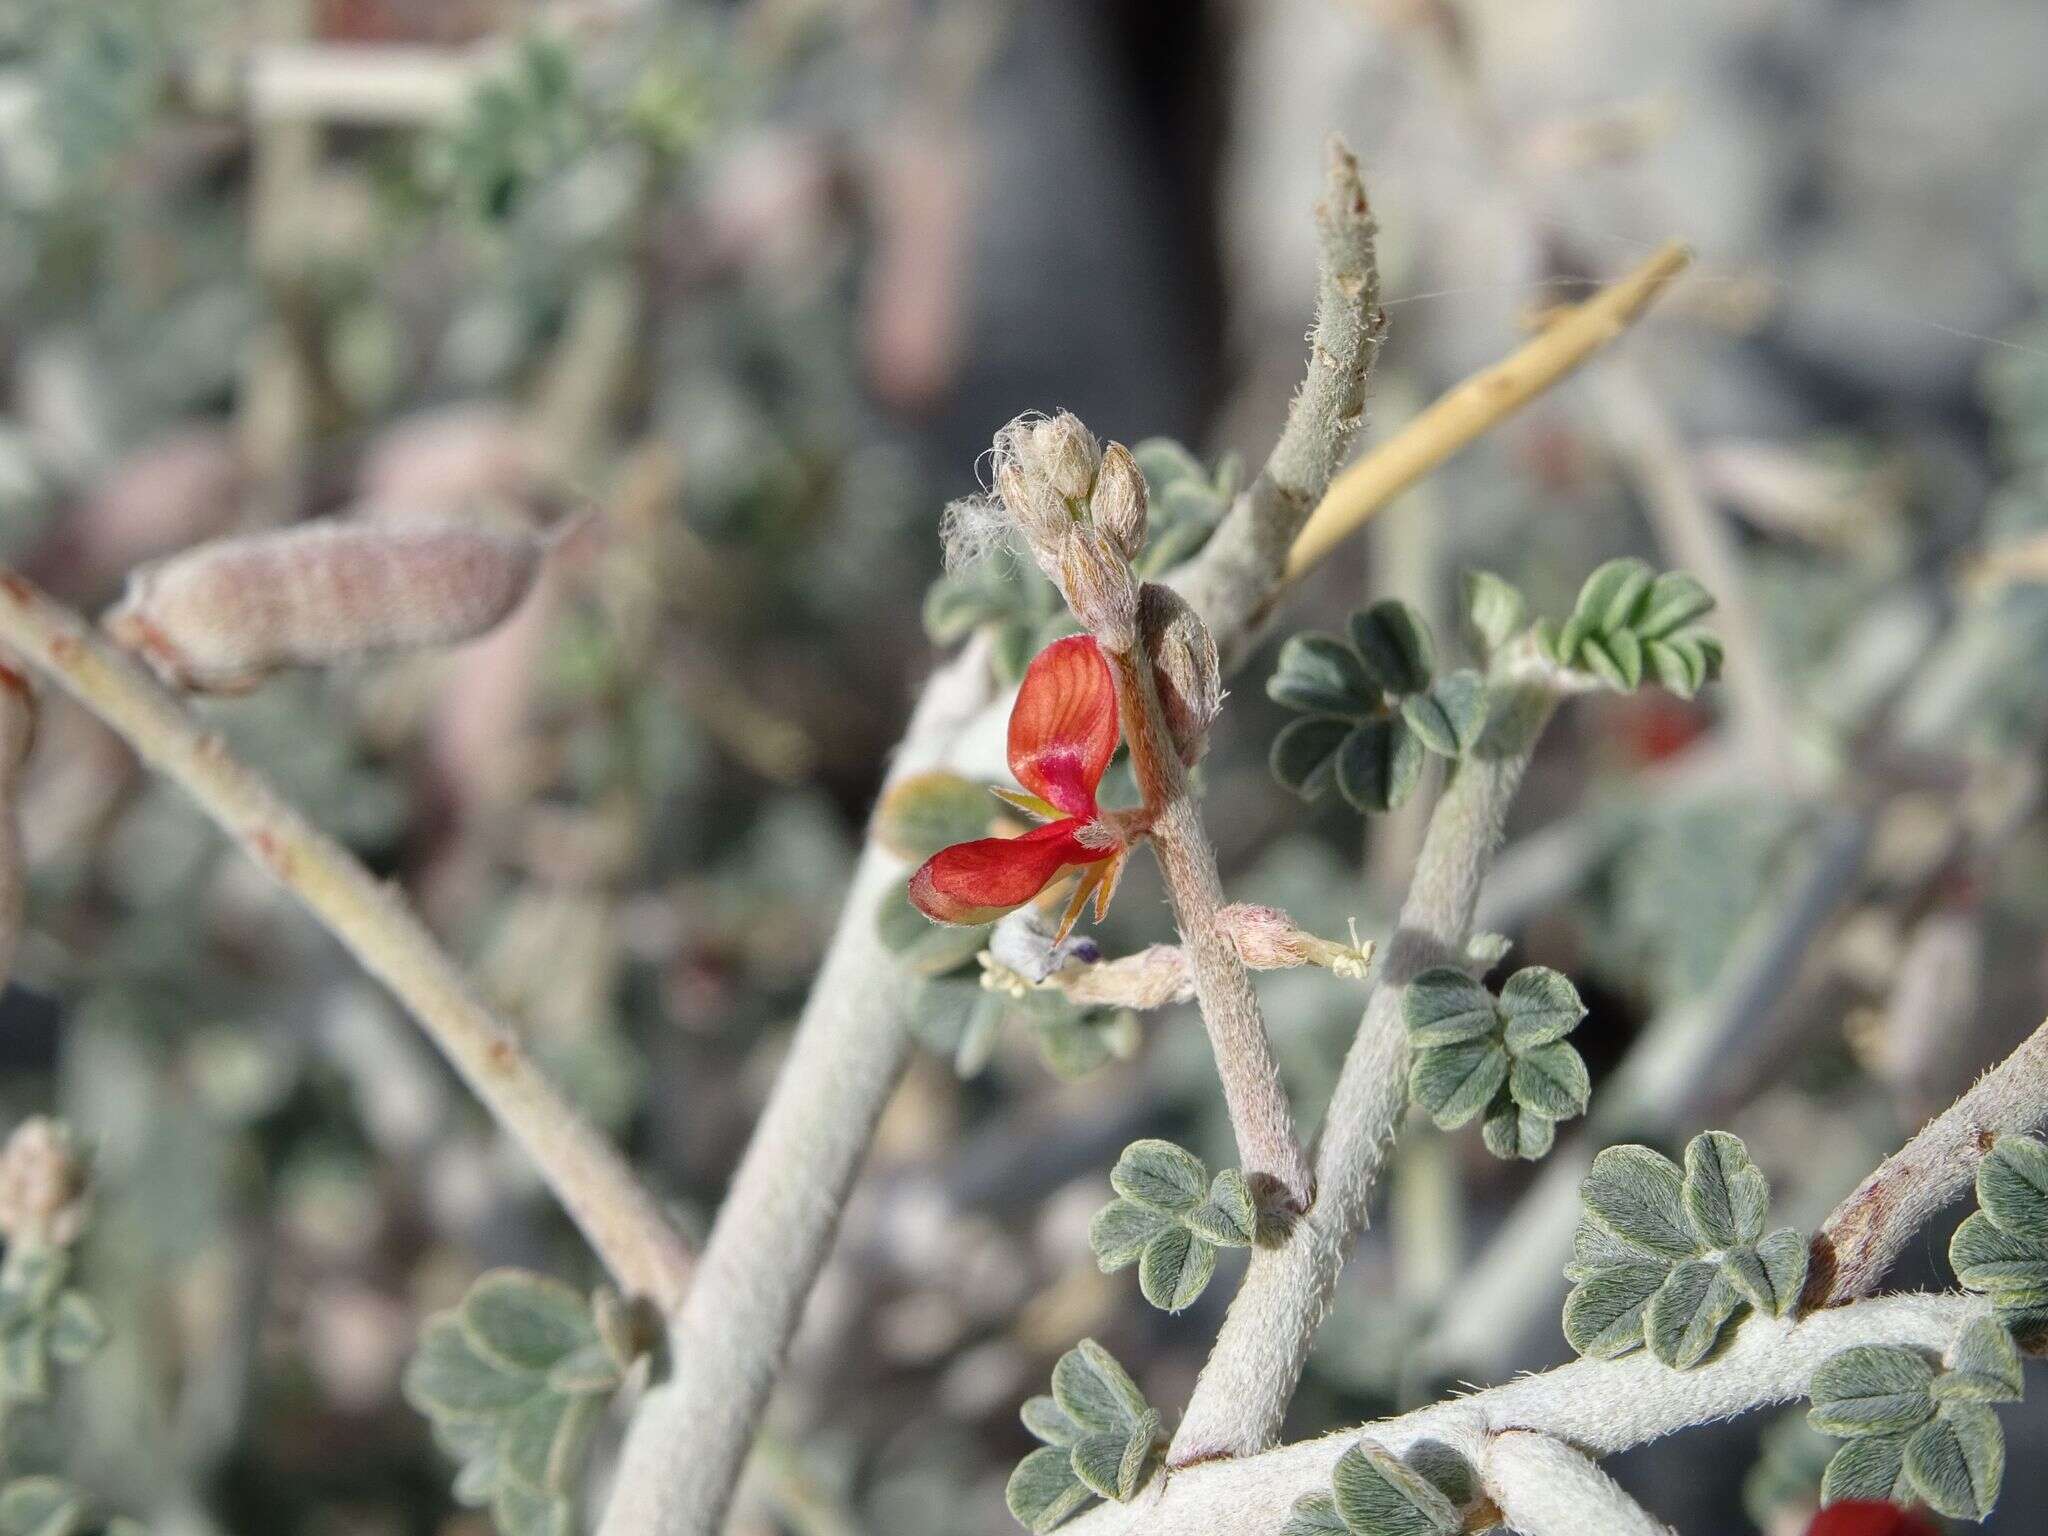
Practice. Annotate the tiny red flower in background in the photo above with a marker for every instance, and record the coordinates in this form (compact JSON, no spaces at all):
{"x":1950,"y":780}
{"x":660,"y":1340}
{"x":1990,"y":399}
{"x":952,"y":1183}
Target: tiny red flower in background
{"x":1863,"y":1517}
{"x":1063,"y":731}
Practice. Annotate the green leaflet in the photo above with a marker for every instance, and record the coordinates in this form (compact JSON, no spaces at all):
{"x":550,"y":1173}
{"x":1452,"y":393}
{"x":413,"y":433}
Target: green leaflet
{"x":1100,"y":1435}
{"x":1495,"y":611}
{"x":1169,"y":1218}
{"x":1505,"y":1056}
{"x":2002,"y":1249}
{"x":43,"y":1325}
{"x":1379,"y":1494}
{"x":1628,"y":624}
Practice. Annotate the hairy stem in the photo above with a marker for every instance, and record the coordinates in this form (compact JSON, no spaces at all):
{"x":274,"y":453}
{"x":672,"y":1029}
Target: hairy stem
{"x":1544,"y":1487}
{"x":1259,"y":1112}
{"x":621,"y":1217}
{"x":1244,"y":1390}
{"x":1600,"y":1406}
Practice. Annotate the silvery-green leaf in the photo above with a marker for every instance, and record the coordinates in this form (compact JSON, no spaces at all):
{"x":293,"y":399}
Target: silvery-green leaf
{"x":1395,"y":645}
{"x":1985,"y":1258}
{"x":1304,"y":755}
{"x":978,"y":1036}
{"x":1120,"y":1231}
{"x":25,"y":1363}
{"x":1228,"y":1217}
{"x":1445,"y":1006}
{"x":467,"y":1439}
{"x":37,"y":1274}
{"x":589,"y":1371}
{"x":1164,"y":463}
{"x":1094,"y":1391}
{"x":1613,"y":594}
{"x":1678,"y":668}
{"x":1161,"y":1175}
{"x":1983,"y":1366}
{"x":1511,"y":1131}
{"x":1113,"y":1465}
{"x":1603,"y":1316}
{"x":526,"y":1441}
{"x":1638,"y":1194}
{"x":1616,"y":659}
{"x":1872,"y":1468}
{"x":525,"y":1322}
{"x":1320,"y":675}
{"x":446,"y":1378}
{"x":954,"y":607}
{"x":920,"y":945}
{"x":925,"y":812}
{"x":2012,"y":1187}
{"x":1451,"y":1473}
{"x":1174,"y":1269}
{"x":1450,"y":715}
{"x":1452,"y":1083}
{"x":1551,"y":1080}
{"x":1377,"y":1494}
{"x":41,"y":1506}
{"x":520,"y":1511}
{"x":1684,"y":1320}
{"x":1725,"y":1196}
{"x":1540,"y":1005}
{"x":76,"y":1332}
{"x":1957,"y":1460}
{"x":1045,"y":1489}
{"x":1594,"y":1247}
{"x":1494,"y":609}
{"x":1871,"y":1389}
{"x":1315,"y":1514}
{"x":1379,"y":765}
{"x":1675,"y":600}
{"x":1049,"y":1422}
{"x":1781,"y":1258}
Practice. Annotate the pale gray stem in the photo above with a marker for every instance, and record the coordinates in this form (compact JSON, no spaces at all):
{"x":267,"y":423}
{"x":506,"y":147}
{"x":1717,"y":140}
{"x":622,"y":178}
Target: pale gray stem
{"x":1600,"y":1406}
{"x":1544,"y":1487}
{"x":1244,"y":1390}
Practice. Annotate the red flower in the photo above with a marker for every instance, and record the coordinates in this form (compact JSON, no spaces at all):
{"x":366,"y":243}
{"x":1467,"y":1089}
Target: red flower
{"x":1862,"y":1517}
{"x":1062,"y":733}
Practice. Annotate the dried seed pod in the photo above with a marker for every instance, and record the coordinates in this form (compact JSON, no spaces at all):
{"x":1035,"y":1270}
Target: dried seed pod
{"x":1119,"y":504}
{"x":219,"y":618}
{"x":1185,"y":670}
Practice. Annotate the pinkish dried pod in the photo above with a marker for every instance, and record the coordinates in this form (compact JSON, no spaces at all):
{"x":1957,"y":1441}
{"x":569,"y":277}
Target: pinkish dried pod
{"x":219,"y":618}
{"x":44,"y":1190}
{"x":1185,"y":671}
{"x":1267,"y":939}
{"x":1119,"y":503}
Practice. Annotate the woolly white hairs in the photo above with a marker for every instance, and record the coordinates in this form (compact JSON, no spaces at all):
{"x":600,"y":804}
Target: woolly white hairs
{"x":974,"y":529}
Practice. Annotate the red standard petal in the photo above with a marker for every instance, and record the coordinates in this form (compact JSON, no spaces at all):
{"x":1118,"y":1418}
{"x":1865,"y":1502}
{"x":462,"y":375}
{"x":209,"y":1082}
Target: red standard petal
{"x":978,"y":882}
{"x":1063,"y":728}
{"x":1862,"y":1517}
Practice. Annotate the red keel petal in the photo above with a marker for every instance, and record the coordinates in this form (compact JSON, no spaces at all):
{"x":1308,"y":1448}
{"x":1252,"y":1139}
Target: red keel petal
{"x":978,"y":882}
{"x":1864,"y":1517}
{"x":1063,"y":729}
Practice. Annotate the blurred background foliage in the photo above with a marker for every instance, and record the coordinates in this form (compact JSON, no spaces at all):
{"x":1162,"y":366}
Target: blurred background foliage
{"x":756,"y":281}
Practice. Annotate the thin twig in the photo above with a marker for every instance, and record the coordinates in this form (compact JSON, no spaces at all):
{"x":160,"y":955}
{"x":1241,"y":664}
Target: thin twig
{"x":1600,"y":1406}
{"x":621,"y":1217}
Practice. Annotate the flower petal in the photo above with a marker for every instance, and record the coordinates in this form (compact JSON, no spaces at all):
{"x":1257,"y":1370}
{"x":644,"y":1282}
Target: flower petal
{"x":1861,"y":1518}
{"x":979,"y":881}
{"x":1063,"y":729}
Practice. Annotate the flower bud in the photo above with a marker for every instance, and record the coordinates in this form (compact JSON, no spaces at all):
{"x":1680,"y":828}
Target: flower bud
{"x":1185,"y":671}
{"x":1038,"y":513}
{"x":219,"y":618}
{"x":43,"y":1188}
{"x":1096,"y":580}
{"x":1067,"y":455}
{"x":1119,"y":503}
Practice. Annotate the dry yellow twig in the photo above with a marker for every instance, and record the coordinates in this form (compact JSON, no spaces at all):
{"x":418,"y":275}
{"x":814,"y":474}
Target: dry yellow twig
{"x":623,"y":1220}
{"x":1478,"y":404}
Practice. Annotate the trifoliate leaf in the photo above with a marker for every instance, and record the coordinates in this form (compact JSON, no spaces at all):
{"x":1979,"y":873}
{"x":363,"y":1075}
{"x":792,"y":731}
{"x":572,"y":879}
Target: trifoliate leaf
{"x":1161,"y":1175}
{"x":1988,"y":1259}
{"x":1511,"y":1131}
{"x":1957,"y":1460}
{"x":1049,"y":1422}
{"x":1394,"y":642}
{"x":1315,"y":1514}
{"x":2012,"y":1187}
{"x":1726,"y":1197}
{"x":1494,"y":609}
{"x":1603,"y":1316}
{"x":1452,"y":1083}
{"x":925,"y":812}
{"x":1771,"y":1274}
{"x":1983,"y":1366}
{"x":1445,"y":1006}
{"x":1321,"y":675}
{"x":1871,"y":1389}
{"x":1872,"y":1468}
{"x":1304,"y":755}
{"x":446,"y":1378}
{"x":1228,"y":1217}
{"x":1449,"y":717}
{"x":1551,"y":1081}
{"x":1540,"y":1005}
{"x":525,"y":1322}
{"x":1675,"y":600}
{"x":1638,"y":1194}
{"x":1120,"y":1231}
{"x":1379,"y":1495}
{"x":1174,"y":1269}
{"x":1045,"y":1489}
{"x":1094,"y":1391}
{"x":1684,"y":1320}
{"x":1379,"y":764}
